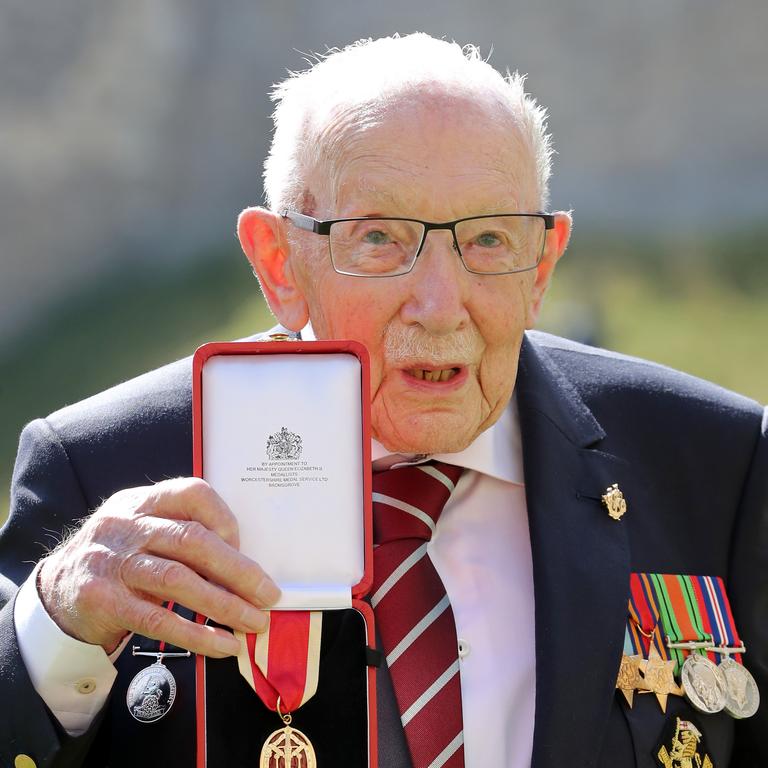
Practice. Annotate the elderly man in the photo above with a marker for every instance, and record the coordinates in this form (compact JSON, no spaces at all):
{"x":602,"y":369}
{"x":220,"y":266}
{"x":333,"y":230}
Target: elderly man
{"x":407,"y":184}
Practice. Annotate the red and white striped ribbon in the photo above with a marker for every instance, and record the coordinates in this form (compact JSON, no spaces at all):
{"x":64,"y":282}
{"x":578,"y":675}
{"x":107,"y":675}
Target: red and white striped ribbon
{"x":283,"y":661}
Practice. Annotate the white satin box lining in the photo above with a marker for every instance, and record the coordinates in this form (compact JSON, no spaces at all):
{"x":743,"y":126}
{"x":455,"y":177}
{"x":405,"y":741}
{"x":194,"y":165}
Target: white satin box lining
{"x":282,"y":445}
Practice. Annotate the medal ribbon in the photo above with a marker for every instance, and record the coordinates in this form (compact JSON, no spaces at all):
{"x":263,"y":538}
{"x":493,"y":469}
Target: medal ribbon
{"x":715,"y":609}
{"x":284,"y":660}
{"x":629,"y":647}
{"x":679,"y":613}
{"x":169,"y":606}
{"x":643,"y":625}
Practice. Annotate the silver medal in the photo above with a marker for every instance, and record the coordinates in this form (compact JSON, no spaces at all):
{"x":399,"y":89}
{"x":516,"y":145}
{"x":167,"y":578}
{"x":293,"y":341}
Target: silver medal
{"x":151,"y":693}
{"x":703,"y":683}
{"x":742,"y":697}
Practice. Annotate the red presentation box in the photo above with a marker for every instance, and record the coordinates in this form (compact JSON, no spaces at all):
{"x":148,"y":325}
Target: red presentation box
{"x":281,"y":430}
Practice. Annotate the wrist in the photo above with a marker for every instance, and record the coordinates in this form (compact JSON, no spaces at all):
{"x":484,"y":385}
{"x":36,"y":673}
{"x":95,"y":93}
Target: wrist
{"x":56,"y":600}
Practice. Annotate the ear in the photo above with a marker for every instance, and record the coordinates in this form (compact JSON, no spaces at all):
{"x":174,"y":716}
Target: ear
{"x":263,"y":240}
{"x":554,"y":247}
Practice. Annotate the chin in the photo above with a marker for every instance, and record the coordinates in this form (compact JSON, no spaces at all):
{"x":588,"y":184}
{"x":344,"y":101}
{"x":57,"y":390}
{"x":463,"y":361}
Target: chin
{"x":427,"y":436}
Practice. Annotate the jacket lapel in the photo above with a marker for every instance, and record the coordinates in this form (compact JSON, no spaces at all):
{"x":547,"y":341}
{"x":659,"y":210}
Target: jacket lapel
{"x":580,"y":563}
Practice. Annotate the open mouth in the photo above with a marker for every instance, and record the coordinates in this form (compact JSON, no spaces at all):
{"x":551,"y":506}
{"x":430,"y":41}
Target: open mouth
{"x":433,"y":374}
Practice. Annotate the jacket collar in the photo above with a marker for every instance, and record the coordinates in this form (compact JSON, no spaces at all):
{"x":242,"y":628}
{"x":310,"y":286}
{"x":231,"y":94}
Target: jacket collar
{"x":543,"y":387}
{"x":580,"y":562}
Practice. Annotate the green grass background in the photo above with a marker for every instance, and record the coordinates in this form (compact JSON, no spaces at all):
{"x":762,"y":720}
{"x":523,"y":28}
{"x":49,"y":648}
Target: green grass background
{"x":695,"y":304}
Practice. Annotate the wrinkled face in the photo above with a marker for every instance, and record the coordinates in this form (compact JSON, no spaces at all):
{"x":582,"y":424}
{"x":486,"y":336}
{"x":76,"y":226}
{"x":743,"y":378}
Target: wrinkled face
{"x":444,"y":343}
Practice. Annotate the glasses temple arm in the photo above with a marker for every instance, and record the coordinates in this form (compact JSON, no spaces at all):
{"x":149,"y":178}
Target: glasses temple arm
{"x":301,"y":221}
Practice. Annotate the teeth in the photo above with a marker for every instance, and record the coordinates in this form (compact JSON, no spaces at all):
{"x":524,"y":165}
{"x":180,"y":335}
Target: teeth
{"x":441,"y":375}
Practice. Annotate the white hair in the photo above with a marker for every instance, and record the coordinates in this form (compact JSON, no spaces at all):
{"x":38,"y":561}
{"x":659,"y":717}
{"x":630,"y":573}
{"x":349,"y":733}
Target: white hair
{"x":359,"y":80}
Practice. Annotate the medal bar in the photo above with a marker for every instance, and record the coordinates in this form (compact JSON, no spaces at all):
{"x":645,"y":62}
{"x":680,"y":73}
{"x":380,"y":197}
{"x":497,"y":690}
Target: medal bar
{"x":726,"y":650}
{"x":692,"y":645}
{"x":159,"y":655}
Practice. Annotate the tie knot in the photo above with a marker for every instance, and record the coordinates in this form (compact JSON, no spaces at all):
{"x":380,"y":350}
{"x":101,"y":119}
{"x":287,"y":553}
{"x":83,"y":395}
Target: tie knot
{"x":407,"y":501}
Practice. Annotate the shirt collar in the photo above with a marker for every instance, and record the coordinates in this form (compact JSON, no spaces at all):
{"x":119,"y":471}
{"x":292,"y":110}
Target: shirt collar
{"x":496,"y":452}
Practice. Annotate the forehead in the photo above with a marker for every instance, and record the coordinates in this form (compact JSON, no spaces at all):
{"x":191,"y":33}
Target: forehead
{"x":430,"y":151}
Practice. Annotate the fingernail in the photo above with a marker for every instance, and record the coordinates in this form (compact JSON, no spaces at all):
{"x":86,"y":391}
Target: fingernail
{"x":227,"y":644}
{"x":254,"y":620}
{"x":269,"y":592}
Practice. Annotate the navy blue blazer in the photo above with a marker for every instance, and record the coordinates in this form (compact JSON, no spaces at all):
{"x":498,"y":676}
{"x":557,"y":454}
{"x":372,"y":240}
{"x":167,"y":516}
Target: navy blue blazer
{"x":690,"y":457}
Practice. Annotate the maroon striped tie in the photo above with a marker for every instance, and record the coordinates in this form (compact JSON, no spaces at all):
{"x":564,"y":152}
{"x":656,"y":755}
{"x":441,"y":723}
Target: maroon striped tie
{"x":413,"y":613}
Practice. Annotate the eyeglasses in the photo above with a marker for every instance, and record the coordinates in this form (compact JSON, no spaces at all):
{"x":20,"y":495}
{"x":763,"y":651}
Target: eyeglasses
{"x":384,"y":247}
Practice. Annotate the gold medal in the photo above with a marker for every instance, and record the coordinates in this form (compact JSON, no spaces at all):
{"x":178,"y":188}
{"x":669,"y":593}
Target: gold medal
{"x":287,"y":747}
{"x":654,"y":674}
{"x":629,"y":678}
{"x":658,"y":678}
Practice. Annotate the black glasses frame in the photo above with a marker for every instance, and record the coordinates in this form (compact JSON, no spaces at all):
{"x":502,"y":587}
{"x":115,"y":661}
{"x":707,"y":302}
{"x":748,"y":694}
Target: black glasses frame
{"x":323,"y":227}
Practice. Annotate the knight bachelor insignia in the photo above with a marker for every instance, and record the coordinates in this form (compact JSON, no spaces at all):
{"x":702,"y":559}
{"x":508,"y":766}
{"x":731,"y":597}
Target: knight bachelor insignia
{"x":287,"y":747}
{"x":614,"y":501}
{"x":286,"y":678}
{"x":683,"y":747}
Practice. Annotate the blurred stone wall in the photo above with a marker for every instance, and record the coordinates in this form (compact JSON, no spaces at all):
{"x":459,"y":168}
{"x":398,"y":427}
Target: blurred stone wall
{"x":132,"y":131}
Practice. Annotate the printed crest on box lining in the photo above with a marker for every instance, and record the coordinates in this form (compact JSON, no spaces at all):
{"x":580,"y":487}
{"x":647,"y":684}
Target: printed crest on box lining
{"x":284,"y":445}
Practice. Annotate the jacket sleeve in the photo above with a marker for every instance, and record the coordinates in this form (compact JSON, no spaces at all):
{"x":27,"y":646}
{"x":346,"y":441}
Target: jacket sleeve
{"x":749,"y":597}
{"x":46,"y":500}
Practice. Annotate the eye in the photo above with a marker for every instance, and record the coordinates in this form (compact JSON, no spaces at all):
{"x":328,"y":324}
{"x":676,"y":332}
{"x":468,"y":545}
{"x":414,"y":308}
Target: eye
{"x":488,"y":240}
{"x":377,"y":237}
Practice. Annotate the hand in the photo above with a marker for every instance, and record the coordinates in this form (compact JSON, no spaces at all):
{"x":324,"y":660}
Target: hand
{"x":176,"y":540}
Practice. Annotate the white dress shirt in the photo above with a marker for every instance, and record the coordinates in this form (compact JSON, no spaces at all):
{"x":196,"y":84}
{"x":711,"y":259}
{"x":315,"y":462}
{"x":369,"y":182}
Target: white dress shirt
{"x":481,"y":549}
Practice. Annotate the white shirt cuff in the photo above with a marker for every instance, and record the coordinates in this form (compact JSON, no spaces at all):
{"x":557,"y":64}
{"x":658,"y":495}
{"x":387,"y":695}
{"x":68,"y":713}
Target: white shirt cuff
{"x":72,"y":677}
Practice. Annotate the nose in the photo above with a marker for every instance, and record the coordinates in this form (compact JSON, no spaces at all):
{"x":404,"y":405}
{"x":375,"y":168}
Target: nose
{"x":439,"y":287}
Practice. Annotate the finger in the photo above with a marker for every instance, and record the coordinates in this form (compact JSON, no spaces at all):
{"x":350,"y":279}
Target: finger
{"x":153,"y":621}
{"x":190,"y":498}
{"x":171,"y":580}
{"x":193,"y":544}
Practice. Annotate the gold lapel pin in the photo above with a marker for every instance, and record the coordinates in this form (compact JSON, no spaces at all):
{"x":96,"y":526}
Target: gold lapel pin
{"x":614,"y":501}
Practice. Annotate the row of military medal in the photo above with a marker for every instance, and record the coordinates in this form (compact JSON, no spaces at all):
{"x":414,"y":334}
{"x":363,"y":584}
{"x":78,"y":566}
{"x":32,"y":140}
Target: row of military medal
{"x":695,"y":616}
{"x":709,"y":687}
